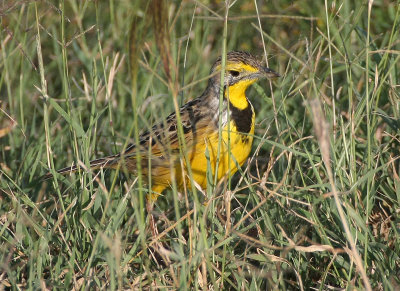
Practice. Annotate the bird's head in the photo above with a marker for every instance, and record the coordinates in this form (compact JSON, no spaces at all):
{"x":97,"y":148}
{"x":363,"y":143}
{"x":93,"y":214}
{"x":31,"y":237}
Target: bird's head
{"x":240,"y":67}
{"x":241,"y":70}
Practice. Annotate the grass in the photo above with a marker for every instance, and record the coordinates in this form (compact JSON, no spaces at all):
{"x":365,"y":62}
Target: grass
{"x":317,"y":205}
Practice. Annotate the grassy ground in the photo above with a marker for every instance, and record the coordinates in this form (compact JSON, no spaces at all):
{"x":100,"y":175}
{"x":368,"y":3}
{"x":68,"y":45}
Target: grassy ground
{"x":318,"y":204}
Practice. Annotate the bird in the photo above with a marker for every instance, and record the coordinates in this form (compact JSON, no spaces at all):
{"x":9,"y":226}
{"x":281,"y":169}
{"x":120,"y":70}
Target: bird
{"x":212,"y":132}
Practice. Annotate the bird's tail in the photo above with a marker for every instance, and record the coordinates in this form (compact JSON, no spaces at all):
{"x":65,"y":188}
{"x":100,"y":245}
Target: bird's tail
{"x":107,"y":162}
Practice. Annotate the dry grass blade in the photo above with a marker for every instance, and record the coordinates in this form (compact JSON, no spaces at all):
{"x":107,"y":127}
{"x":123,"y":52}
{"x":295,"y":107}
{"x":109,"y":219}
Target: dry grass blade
{"x":321,"y":131}
{"x":159,"y":11}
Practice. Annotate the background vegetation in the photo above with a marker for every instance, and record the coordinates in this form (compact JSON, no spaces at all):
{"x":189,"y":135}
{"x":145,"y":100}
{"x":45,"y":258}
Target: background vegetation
{"x":318,"y":204}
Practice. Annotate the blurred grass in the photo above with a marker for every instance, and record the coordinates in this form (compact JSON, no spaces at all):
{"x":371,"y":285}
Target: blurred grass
{"x":278,"y":227}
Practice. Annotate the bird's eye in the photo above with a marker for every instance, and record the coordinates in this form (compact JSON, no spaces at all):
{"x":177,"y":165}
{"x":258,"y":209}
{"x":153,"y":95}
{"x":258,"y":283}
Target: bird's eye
{"x":234,"y":73}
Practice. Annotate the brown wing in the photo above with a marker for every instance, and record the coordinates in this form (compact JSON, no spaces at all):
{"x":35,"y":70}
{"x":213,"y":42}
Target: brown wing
{"x":163,"y":137}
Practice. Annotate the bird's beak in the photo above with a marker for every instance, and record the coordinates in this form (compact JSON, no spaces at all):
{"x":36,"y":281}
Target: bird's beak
{"x":267,"y":72}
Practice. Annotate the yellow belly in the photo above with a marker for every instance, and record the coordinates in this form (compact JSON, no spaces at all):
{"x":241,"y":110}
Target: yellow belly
{"x":230,"y":158}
